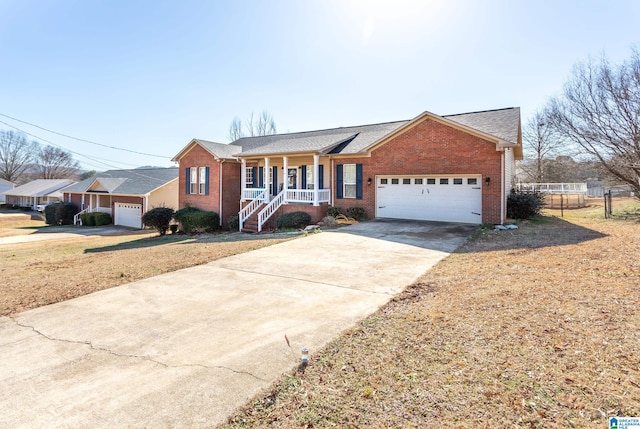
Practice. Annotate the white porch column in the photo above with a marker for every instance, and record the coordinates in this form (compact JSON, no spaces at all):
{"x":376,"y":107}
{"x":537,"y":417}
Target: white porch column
{"x":243,"y":179}
{"x":98,"y":203}
{"x":265,"y":179}
{"x":316,"y":179}
{"x":285,"y":177}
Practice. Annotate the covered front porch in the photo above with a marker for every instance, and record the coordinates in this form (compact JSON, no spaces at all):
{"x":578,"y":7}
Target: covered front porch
{"x":92,"y":202}
{"x":271,"y":182}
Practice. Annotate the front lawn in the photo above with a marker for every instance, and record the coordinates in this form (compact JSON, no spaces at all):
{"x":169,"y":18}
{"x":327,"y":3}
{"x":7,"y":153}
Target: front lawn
{"x":533,"y":328}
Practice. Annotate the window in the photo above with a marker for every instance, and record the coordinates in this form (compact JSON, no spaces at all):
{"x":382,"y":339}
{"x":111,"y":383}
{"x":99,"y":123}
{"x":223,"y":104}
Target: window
{"x":193,"y":187}
{"x":444,"y":181}
{"x":249,"y":177}
{"x":309,"y":176}
{"x":395,"y":181}
{"x":431,"y":181}
{"x":406,"y":181}
{"x":203,"y":180}
{"x":349,"y":180}
{"x":457,"y":181}
{"x":292,"y":178}
{"x":473,"y":181}
{"x":383,"y":181}
{"x":418,"y":181}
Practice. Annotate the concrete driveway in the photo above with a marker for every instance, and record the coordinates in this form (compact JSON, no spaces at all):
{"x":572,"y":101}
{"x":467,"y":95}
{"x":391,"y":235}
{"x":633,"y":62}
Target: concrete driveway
{"x":186,"y":348}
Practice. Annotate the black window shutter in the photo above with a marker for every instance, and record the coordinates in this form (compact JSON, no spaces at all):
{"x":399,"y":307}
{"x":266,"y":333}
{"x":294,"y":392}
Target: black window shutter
{"x":188,"y":176}
{"x":339,"y":181}
{"x":254,"y":176}
{"x":260,"y":177}
{"x":358,"y":181}
{"x":321,"y":176}
{"x":206,"y":180}
{"x":304,"y":177}
{"x":275,"y":179}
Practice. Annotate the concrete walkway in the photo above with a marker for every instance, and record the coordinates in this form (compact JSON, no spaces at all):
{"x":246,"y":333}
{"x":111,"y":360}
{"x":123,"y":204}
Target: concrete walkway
{"x":186,"y":348}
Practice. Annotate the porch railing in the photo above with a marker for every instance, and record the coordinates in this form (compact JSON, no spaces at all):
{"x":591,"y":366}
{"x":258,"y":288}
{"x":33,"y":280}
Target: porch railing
{"x":306,"y":195}
{"x":250,"y":208}
{"x":270,"y":209}
{"x":251,"y":193}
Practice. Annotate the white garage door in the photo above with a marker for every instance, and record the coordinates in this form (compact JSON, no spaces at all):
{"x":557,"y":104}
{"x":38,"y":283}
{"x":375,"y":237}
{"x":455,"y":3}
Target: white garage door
{"x":439,"y":198}
{"x":128,"y":215}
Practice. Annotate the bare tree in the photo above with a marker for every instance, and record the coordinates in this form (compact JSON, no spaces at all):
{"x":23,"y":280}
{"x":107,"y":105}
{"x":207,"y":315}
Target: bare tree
{"x":54,"y":163}
{"x":263,"y":125}
{"x":600,"y":111}
{"x":16,"y":154}
{"x":543,"y":141}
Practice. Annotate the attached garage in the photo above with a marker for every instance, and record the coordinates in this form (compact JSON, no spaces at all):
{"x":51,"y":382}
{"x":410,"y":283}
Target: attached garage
{"x":127,"y":214}
{"x":445,"y":198}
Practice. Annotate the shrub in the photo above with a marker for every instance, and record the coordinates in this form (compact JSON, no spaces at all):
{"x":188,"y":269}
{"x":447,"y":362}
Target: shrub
{"x":233,"y":223}
{"x":95,"y":219}
{"x":102,"y":218}
{"x":50,"y":217}
{"x":194,"y":220}
{"x":158,"y":218}
{"x":334,"y":211}
{"x":88,"y":219}
{"x":60,"y":213}
{"x":524,"y":205}
{"x":293,"y":220}
{"x":358,"y":213}
{"x":180,"y":214}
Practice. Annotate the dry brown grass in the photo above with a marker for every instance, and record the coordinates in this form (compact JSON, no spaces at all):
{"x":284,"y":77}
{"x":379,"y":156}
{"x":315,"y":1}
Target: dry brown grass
{"x":532,"y":328}
{"x":45,"y":272}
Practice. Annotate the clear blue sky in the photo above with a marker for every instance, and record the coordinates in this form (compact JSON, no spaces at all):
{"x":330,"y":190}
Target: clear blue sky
{"x":151,"y":75}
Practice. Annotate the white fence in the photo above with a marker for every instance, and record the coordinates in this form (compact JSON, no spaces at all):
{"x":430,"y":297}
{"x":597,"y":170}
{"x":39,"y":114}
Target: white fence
{"x":553,"y":188}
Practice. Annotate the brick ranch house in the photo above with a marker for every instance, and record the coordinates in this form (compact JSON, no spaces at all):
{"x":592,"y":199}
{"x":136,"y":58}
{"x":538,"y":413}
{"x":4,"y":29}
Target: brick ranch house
{"x":125,"y":194}
{"x":455,"y":168}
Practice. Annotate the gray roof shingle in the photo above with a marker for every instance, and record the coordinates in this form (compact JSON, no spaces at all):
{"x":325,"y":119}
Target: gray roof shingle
{"x":221,"y":150}
{"x":140,"y":181}
{"x":501,"y":123}
{"x":39,"y":187}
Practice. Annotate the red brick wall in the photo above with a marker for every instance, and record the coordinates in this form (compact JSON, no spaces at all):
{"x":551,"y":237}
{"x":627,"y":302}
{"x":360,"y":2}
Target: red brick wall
{"x":431,"y":148}
{"x":199,"y":157}
{"x":75,"y":199}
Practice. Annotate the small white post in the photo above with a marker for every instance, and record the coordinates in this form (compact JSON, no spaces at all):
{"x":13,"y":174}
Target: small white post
{"x":243,"y":179}
{"x":285,"y":177}
{"x":316,"y":179}
{"x":265,"y":179}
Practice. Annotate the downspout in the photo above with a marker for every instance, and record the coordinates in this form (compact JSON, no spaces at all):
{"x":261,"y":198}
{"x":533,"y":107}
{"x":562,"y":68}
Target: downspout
{"x":503,"y":197}
{"x":220,"y":192}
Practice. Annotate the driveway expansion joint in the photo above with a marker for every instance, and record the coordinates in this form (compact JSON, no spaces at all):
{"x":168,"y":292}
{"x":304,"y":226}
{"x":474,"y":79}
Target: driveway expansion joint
{"x":373,"y":292}
{"x":130,"y":356}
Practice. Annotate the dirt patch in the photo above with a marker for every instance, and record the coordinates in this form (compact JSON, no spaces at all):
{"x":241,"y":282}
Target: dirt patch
{"x":532,"y":328}
{"x":41,"y":273}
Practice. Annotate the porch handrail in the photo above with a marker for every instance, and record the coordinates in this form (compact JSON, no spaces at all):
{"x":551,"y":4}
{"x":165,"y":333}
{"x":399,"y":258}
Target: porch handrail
{"x":270,"y":209}
{"x":250,"y":208}
{"x":76,"y":217}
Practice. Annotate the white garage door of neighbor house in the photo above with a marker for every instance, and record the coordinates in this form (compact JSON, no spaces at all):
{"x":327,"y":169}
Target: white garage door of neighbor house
{"x":128,"y":215}
{"x":439,"y":198}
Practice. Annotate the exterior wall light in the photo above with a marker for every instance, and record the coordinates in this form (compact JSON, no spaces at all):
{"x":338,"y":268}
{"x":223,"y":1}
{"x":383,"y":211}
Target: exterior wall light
{"x":487,"y":180}
{"x":369,"y":181}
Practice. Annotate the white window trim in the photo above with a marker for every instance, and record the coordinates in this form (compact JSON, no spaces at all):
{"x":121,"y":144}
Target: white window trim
{"x":202,"y":180}
{"x":345,"y":183}
{"x":193,"y":185}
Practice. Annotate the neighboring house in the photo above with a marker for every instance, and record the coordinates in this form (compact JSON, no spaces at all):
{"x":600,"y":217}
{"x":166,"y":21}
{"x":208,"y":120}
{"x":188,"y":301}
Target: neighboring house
{"x":5,"y":186}
{"x":126,"y":194}
{"x":455,"y":168}
{"x":37,"y":194}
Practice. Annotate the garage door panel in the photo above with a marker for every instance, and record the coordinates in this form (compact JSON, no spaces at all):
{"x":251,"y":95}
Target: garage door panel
{"x":127,"y":214}
{"x":439,"y":201}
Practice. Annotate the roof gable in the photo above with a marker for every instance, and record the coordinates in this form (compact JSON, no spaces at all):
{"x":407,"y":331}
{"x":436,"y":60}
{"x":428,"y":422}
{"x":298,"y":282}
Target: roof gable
{"x":218,"y":150}
{"x":126,"y":182}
